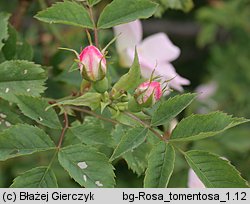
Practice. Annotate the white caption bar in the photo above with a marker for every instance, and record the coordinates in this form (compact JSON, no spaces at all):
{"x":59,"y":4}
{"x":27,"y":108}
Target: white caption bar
{"x":124,"y":195}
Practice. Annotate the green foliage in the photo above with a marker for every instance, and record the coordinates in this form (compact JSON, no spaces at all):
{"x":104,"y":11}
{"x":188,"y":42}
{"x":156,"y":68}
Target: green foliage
{"x":91,"y":100}
{"x":125,"y":119}
{"x":9,"y":48}
{"x":92,"y":134}
{"x":137,"y":159}
{"x":22,"y":140}
{"x":201,"y":126}
{"x":66,"y":12}
{"x":214,"y":171}
{"x":91,"y":139}
{"x":132,"y":139}
{"x":3,"y":27}
{"x":87,"y":166}
{"x":40,"y":177}
{"x":21,"y":77}
{"x":93,"y":2}
{"x":16,"y":47}
{"x":184,"y":5}
{"x":171,"y":108}
{"x":120,"y":12}
{"x":130,"y":80}
{"x":160,"y":166}
{"x":35,"y":108}
{"x":229,"y":57}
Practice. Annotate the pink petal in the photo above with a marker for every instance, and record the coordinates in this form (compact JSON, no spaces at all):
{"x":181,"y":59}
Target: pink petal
{"x":158,"y":48}
{"x":147,"y":66}
{"x":194,"y":181}
{"x":130,"y":35}
{"x":167,"y":71}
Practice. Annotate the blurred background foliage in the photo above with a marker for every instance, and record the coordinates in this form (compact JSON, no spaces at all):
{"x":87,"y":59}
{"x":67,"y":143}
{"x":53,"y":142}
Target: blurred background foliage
{"x":214,"y":37}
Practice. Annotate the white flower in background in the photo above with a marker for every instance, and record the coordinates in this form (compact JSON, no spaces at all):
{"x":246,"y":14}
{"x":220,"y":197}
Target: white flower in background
{"x":206,"y":91}
{"x":155,"y":52}
{"x":193,"y":180}
{"x":205,"y":94}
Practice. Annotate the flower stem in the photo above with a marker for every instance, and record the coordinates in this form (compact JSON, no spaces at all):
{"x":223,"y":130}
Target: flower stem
{"x":66,"y":126}
{"x":95,"y":27}
{"x":145,"y":125}
{"x":95,"y":115}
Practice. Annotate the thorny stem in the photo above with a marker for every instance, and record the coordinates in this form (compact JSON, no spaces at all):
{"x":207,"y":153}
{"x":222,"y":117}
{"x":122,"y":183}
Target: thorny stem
{"x":117,"y":122}
{"x":145,"y":125}
{"x":66,"y":126}
{"x":94,"y":114}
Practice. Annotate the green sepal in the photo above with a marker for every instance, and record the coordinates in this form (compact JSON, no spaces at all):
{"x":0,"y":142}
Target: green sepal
{"x":101,"y":86}
{"x":85,"y":85}
{"x":133,"y":106}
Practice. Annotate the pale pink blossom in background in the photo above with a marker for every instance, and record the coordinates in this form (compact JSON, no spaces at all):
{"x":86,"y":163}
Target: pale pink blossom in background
{"x":205,"y":95}
{"x":155,"y":52}
{"x":193,"y":180}
{"x":206,"y":91}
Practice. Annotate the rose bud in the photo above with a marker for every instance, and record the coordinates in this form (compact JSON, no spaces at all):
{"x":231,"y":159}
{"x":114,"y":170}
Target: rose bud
{"x":92,"y":64}
{"x":148,"y":93}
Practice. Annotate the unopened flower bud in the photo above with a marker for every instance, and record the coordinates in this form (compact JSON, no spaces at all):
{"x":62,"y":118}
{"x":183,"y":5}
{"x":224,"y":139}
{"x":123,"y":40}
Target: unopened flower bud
{"x":92,"y":64}
{"x":148,"y":93}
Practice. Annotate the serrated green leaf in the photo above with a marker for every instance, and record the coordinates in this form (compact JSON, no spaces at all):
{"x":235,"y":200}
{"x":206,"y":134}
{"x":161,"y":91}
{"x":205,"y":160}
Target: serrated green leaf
{"x":197,"y":127}
{"x":132,"y":139}
{"x":184,"y":5}
{"x":23,"y":139}
{"x":86,"y":166}
{"x":34,"y":108}
{"x":4,"y":17}
{"x":120,"y":11}
{"x":21,"y":77}
{"x":16,"y":47}
{"x":160,"y":166}
{"x":92,"y":134}
{"x":171,"y":108}
{"x":93,"y":2}
{"x":137,"y":159}
{"x":213,"y":171}
{"x":131,"y":79}
{"x":89,"y":99}
{"x":117,"y":133}
{"x":70,"y":13}
{"x":40,"y":177}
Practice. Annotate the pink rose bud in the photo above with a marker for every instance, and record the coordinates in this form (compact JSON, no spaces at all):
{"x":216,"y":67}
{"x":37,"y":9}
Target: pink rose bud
{"x":92,"y":64}
{"x":148,"y":93}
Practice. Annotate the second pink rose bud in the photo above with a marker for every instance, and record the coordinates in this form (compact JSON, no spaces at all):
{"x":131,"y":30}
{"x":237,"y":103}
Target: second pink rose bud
{"x":92,"y":64}
{"x":148,"y":93}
